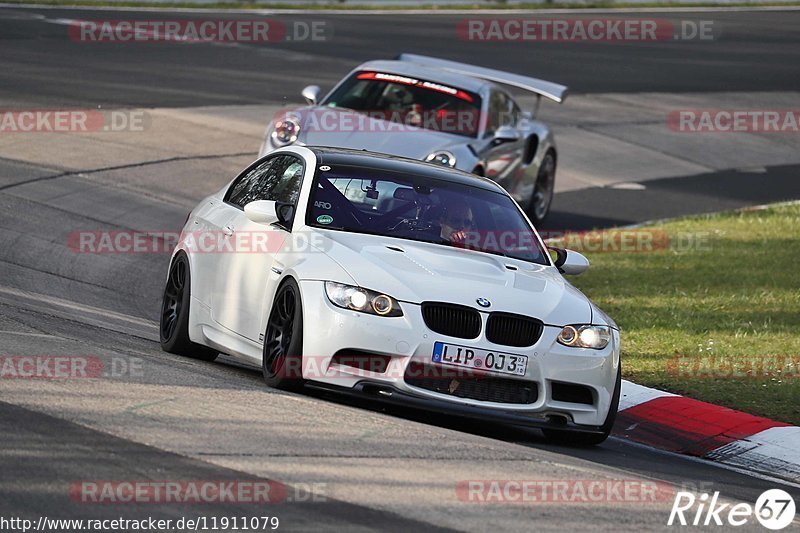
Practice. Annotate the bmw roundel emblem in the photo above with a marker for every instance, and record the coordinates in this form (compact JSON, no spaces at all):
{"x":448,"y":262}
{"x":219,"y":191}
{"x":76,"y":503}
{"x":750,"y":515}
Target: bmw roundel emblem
{"x":483,"y":302}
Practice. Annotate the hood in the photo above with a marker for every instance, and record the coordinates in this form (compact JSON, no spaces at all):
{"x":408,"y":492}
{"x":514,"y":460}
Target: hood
{"x":329,"y":126}
{"x":415,"y":272}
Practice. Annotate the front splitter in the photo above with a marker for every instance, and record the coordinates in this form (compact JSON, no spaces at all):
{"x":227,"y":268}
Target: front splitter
{"x":388,"y":394}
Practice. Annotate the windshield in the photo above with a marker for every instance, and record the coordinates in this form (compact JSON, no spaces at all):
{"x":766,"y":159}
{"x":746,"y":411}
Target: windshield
{"x":419,"y":208}
{"x":410,"y":101}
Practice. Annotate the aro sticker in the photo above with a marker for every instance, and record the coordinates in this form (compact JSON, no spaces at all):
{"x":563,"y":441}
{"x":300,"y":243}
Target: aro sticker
{"x":325,"y":219}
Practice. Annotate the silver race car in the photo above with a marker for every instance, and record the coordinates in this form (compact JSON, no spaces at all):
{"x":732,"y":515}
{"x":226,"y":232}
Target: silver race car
{"x":439,"y":111}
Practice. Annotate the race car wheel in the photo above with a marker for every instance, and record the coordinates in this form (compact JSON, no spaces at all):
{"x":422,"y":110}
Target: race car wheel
{"x":542,"y":196}
{"x":283,"y":340}
{"x":569,"y":438}
{"x":174,"y":321}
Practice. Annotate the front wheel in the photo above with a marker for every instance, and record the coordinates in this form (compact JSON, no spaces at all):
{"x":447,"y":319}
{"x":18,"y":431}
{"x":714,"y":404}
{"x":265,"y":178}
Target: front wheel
{"x":560,"y":436}
{"x":174,"y":320}
{"x":542,"y":196}
{"x":282,"y":357}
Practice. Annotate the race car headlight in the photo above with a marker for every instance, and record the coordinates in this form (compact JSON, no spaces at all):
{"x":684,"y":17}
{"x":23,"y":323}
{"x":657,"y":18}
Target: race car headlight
{"x":285,"y":132}
{"x":364,"y":300}
{"x":442,"y":158}
{"x":595,"y":337}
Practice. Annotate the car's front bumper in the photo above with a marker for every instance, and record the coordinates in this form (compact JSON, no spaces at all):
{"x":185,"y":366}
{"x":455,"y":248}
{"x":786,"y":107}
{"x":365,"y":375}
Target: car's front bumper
{"x":329,"y":329}
{"x":388,"y":394}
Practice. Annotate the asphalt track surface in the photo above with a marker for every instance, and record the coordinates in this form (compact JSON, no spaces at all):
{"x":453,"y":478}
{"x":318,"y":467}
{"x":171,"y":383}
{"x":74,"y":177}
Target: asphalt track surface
{"x":756,"y":51}
{"x":178,"y":419}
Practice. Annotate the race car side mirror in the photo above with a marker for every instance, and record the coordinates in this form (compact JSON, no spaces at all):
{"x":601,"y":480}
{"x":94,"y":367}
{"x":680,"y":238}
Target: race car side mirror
{"x":261,"y":211}
{"x":505,"y":134}
{"x":570,"y":262}
{"x":311,"y":94}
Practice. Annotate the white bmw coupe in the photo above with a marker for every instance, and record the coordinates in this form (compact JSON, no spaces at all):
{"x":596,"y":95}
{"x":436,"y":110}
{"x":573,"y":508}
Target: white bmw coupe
{"x":394,"y":279}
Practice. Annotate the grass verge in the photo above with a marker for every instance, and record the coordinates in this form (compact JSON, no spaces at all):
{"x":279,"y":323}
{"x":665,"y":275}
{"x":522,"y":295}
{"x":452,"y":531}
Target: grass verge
{"x":710,"y":308}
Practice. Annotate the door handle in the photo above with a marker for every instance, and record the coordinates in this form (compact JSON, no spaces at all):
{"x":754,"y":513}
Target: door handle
{"x":227,"y":231}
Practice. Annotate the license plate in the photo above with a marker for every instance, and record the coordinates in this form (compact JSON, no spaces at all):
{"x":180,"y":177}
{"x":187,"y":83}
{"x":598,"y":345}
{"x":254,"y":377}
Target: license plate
{"x":477,"y":359}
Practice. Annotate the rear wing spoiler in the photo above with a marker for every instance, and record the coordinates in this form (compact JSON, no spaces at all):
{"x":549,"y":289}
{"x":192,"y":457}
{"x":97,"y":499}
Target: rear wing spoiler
{"x":548,"y":89}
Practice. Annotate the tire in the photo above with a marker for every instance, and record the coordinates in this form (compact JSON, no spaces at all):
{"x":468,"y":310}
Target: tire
{"x":282,"y":356}
{"x":174,"y":319}
{"x":569,"y":438}
{"x":542,"y":197}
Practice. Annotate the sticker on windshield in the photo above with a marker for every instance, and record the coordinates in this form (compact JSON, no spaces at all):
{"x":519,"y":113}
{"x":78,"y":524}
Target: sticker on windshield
{"x":324,"y":168}
{"x":405,"y":80}
{"x":325,"y":219}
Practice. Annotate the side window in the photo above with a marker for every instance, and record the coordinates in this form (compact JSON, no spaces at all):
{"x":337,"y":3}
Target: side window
{"x":516,"y":113}
{"x":499,"y":112}
{"x":287,"y":188}
{"x":278,"y":178}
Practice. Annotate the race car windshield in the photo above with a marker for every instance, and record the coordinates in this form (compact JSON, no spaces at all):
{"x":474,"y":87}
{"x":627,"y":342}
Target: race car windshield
{"x":410,"y":102}
{"x":419,"y":208}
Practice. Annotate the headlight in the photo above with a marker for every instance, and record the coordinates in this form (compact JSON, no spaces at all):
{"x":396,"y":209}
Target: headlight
{"x":595,"y":337}
{"x":285,"y":132}
{"x":364,"y":300}
{"x":442,"y":158}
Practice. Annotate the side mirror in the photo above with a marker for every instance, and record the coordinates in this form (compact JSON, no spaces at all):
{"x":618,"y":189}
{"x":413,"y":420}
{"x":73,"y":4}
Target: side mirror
{"x":570,"y":262}
{"x":505,"y":134}
{"x":261,"y":211}
{"x":311,"y":94}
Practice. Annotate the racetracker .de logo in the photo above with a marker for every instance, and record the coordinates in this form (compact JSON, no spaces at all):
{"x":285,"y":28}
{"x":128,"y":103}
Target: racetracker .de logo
{"x":51,"y":366}
{"x":628,"y":240}
{"x":200,"y":242}
{"x":416,"y":119}
{"x":579,"y":491}
{"x":198,"y":31}
{"x":596,"y":29}
{"x":73,"y":120}
{"x":774,"y":367}
{"x":734,"y":120}
{"x":260,"y":492}
{"x":345,"y":366}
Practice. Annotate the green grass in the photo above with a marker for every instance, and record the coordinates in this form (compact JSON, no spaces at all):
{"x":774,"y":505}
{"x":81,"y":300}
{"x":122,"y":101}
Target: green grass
{"x":734,"y":300}
{"x":335,"y":5}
